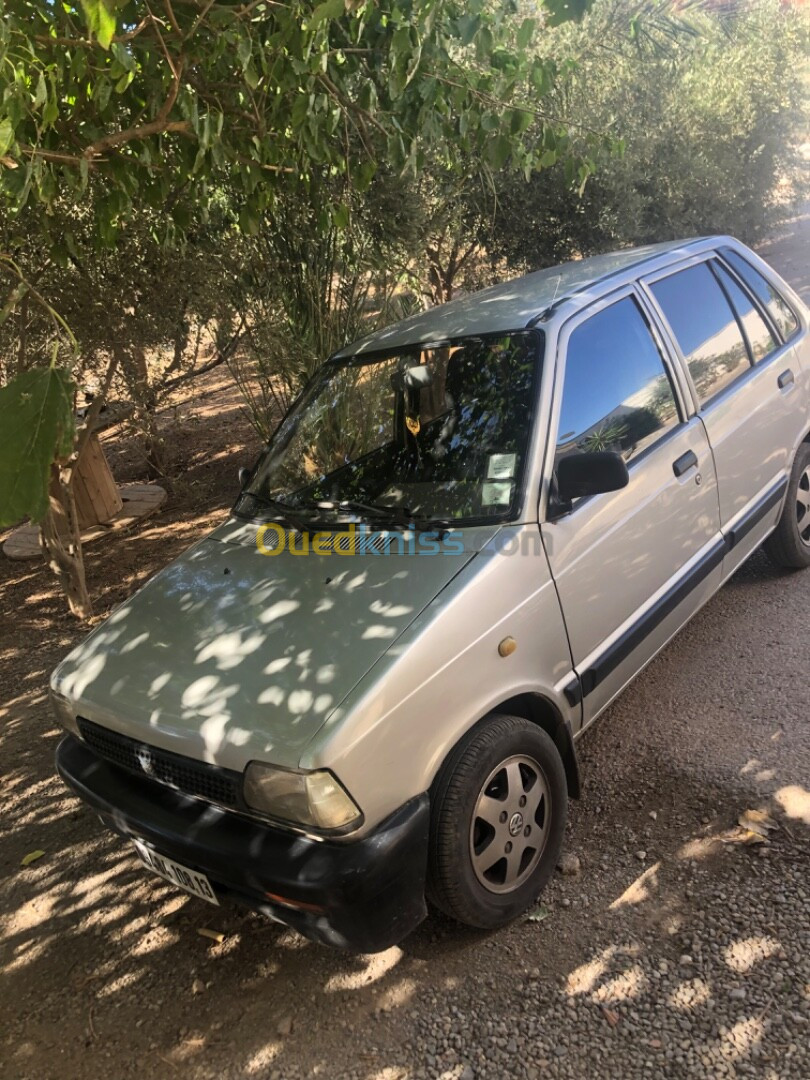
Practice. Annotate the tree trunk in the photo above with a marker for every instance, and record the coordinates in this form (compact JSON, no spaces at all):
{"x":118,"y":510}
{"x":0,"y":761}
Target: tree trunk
{"x":136,"y":374}
{"x":61,"y":542}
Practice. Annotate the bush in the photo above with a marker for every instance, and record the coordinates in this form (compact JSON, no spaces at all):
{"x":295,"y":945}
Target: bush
{"x":712,"y":112}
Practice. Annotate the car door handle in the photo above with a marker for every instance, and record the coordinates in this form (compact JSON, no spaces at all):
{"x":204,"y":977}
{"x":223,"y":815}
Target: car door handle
{"x":787,"y":378}
{"x":684,"y":463}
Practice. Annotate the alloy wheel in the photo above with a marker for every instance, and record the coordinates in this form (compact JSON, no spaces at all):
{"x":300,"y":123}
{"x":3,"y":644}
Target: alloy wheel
{"x":510,"y":824}
{"x":803,"y":507}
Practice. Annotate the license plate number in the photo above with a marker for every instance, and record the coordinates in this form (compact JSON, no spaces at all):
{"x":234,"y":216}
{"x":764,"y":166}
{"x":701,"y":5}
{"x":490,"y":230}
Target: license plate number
{"x":193,"y":882}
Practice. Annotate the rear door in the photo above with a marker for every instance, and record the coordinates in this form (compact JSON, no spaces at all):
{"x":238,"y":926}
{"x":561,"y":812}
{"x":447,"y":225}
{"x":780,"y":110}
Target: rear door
{"x":744,"y":383}
{"x":632,"y":565}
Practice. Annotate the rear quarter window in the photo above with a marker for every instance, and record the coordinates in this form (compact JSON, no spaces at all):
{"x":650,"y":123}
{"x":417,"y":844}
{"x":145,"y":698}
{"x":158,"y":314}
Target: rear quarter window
{"x":761,"y":338}
{"x":777,"y":307}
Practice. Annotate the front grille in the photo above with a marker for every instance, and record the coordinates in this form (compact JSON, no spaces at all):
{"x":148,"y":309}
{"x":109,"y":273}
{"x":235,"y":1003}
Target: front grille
{"x":209,"y":782}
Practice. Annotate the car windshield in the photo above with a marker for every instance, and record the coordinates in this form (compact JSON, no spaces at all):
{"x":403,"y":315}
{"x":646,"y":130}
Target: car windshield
{"x":436,"y":433}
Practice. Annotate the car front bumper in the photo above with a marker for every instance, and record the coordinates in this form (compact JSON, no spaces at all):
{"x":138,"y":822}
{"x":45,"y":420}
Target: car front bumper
{"x":363,"y":895}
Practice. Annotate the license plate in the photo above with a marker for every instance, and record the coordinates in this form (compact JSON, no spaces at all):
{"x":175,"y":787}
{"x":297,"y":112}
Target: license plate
{"x":193,"y":882}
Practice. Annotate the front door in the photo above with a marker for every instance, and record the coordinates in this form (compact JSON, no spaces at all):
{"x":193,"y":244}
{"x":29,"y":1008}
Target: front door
{"x":632,"y":565}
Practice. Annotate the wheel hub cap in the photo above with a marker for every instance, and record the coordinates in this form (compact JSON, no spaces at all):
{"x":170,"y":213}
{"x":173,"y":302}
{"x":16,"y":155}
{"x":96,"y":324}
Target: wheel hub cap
{"x":510,"y":824}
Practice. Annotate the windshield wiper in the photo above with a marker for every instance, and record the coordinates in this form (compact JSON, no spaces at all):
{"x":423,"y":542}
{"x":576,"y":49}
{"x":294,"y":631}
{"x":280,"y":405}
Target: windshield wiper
{"x":283,"y":511}
{"x":400,"y":515}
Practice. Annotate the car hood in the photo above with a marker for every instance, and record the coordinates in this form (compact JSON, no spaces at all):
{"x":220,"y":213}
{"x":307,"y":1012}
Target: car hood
{"x":228,"y":655}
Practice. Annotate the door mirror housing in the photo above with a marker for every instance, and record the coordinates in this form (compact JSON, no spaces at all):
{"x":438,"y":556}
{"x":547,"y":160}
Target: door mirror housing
{"x":589,"y":473}
{"x":244,"y":476}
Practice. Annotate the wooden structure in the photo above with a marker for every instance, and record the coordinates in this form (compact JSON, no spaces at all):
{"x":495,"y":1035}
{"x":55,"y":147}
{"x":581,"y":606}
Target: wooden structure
{"x":94,"y":489}
{"x":103,"y":507}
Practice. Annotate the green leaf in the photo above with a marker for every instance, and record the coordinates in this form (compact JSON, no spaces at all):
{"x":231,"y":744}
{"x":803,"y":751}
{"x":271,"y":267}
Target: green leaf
{"x":36,"y":429}
{"x":249,"y":219}
{"x":41,"y":94}
{"x":244,"y":50}
{"x":501,"y":150}
{"x":561,"y":11}
{"x":101,"y":92}
{"x":468,"y":27}
{"x":525,"y":33}
{"x":6,"y":135}
{"x":32,"y":856}
{"x":340,"y":216}
{"x":100,"y":18}
{"x":330,"y":9}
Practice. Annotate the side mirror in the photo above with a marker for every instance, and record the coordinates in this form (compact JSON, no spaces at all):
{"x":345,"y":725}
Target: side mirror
{"x":244,"y":476}
{"x":590,"y":473}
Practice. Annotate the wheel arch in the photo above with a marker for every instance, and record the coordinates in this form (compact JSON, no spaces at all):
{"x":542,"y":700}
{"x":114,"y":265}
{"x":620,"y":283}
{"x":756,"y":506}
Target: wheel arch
{"x":538,"y":710}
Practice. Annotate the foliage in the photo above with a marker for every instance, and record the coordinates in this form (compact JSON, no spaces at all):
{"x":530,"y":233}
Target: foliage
{"x":305,"y":291}
{"x":710,"y":119}
{"x":36,"y":421}
{"x":176,"y":96}
{"x":133,"y":115}
{"x":153,"y":311}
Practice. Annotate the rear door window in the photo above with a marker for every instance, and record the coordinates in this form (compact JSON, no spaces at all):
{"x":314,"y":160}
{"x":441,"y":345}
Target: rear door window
{"x":759,"y":334}
{"x":705,"y":328}
{"x":782,"y":314}
{"x":617,"y":394}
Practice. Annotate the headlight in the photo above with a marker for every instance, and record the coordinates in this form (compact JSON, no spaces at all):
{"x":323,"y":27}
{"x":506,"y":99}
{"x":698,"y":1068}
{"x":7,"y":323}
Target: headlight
{"x":304,"y":798}
{"x":63,"y":711}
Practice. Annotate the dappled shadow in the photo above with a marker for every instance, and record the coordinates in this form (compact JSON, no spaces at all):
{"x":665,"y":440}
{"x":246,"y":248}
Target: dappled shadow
{"x":105,"y":971}
{"x":103,"y":961}
{"x":105,"y":957}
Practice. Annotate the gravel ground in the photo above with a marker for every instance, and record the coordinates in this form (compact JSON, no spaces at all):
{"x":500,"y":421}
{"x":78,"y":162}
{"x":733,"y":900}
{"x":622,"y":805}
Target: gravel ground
{"x":667,"y":949}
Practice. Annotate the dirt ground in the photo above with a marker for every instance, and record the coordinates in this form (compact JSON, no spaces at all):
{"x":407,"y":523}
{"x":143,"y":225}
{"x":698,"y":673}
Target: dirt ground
{"x":669,"y":952}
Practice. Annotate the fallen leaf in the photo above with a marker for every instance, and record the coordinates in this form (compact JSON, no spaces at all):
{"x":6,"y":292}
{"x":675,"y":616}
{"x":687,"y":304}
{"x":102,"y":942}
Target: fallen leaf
{"x":744,"y":836}
{"x":215,"y":935}
{"x":610,"y":1015}
{"x":752,"y":837}
{"x":757,"y":821}
{"x":539,"y":913}
{"x":32,"y":856}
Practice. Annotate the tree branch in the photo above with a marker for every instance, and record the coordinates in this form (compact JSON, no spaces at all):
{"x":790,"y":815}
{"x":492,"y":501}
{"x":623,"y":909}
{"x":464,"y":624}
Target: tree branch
{"x":154,"y":127}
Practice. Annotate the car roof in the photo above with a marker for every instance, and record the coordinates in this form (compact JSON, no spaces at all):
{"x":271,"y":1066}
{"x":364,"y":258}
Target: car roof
{"x":512,"y":305}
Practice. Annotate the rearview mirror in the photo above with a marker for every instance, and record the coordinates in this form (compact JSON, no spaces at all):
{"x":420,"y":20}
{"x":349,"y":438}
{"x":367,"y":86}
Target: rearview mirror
{"x":244,"y":476}
{"x":592,"y":473}
{"x":418,"y":377}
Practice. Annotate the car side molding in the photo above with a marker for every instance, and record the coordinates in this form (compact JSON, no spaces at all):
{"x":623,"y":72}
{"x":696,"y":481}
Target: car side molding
{"x":617,"y":652}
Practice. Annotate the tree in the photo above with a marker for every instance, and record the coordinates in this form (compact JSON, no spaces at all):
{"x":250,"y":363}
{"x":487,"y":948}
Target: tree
{"x":126,"y":107}
{"x":709,"y":110}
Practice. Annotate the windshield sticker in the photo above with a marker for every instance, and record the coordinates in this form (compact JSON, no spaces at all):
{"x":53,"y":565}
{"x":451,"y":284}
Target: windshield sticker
{"x":497,"y":494}
{"x":501,"y":467}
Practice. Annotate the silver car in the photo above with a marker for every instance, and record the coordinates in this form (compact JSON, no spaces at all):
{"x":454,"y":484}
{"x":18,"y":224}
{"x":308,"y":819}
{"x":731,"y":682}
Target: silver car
{"x":364,"y":689}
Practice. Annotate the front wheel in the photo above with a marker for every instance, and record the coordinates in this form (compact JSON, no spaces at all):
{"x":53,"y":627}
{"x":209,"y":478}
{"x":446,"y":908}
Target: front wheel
{"x":789,"y":544}
{"x":499,"y":811}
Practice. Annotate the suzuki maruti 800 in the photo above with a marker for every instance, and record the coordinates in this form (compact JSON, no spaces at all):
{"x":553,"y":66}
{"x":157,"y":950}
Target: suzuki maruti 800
{"x":364,"y":689}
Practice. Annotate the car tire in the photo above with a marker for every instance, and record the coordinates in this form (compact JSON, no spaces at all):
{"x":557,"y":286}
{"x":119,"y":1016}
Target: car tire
{"x":499,"y":806}
{"x":789,"y":544}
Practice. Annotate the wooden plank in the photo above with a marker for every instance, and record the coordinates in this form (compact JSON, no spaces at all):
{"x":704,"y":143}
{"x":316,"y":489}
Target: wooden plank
{"x":95,"y":491}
